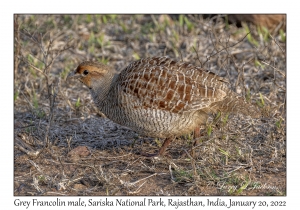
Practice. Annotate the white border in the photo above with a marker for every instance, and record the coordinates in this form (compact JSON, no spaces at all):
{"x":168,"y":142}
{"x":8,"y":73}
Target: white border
{"x":141,"y":7}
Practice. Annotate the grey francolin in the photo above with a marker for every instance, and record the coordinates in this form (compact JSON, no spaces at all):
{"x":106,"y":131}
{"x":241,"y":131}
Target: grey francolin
{"x":160,"y":97}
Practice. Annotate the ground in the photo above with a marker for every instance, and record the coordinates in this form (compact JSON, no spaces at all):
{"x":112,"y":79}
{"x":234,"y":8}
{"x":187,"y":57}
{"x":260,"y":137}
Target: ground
{"x":64,"y":146}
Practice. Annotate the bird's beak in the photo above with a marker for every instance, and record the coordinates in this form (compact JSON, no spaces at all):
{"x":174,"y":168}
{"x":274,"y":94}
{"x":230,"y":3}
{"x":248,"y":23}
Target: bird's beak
{"x":73,"y":75}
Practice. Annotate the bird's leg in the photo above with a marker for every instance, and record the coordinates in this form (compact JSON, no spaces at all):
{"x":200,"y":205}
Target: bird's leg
{"x":165,"y":145}
{"x":196,"y":140}
{"x":197,"y":135}
{"x":162,"y":148}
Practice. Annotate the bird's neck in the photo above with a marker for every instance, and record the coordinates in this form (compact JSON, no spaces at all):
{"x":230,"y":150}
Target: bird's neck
{"x":100,"y":88}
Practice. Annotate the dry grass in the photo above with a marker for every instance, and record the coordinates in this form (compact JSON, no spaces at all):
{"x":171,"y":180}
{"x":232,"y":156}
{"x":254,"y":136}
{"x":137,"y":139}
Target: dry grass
{"x":64,"y":147}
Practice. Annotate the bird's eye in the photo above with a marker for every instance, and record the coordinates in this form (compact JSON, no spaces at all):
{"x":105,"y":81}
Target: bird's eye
{"x":86,"y":72}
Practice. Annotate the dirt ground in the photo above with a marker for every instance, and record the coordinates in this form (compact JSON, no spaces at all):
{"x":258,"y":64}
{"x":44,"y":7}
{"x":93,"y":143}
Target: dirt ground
{"x":64,"y":146}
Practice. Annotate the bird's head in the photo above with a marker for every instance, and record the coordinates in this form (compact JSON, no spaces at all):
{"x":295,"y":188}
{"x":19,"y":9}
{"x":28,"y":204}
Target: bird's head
{"x":90,"y":73}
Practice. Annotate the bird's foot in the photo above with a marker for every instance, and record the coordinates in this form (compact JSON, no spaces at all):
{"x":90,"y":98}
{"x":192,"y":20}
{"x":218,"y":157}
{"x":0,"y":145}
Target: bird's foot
{"x":162,"y":149}
{"x":150,"y":154}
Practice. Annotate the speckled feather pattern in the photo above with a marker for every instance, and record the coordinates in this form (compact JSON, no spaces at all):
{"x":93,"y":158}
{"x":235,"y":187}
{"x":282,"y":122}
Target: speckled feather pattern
{"x":160,"y":97}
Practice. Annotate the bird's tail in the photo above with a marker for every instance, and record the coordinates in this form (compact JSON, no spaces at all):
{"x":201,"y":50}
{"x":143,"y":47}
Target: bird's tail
{"x":237,"y":104}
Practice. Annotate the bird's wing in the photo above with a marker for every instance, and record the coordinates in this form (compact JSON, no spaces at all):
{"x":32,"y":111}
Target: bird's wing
{"x":161,"y":83}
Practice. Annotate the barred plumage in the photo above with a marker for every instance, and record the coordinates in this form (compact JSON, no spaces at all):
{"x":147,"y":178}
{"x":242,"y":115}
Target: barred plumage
{"x":160,"y":97}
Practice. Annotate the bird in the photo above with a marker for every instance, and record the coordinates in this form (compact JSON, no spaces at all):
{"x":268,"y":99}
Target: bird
{"x":160,"y":97}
